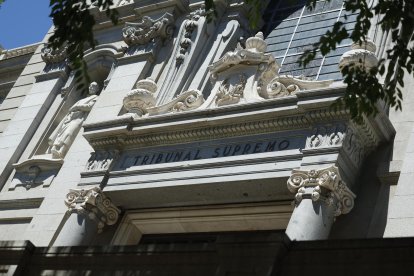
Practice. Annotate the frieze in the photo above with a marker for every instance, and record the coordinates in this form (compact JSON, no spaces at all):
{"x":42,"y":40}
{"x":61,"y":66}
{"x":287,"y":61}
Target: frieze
{"x":209,"y":151}
{"x":12,"y":53}
{"x":326,"y":136}
{"x":101,"y":160}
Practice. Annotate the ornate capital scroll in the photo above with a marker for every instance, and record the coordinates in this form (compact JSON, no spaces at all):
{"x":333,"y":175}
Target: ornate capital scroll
{"x":145,"y":31}
{"x":327,"y":186}
{"x":95,"y":204}
{"x":141,"y":100}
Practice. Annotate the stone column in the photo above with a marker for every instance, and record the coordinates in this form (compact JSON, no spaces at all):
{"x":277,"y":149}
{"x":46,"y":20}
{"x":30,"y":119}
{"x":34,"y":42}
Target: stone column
{"x":321,"y":196}
{"x":89,"y":212}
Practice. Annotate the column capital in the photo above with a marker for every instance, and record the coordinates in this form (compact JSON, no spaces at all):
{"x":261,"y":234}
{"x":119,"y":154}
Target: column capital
{"x":93,"y":203}
{"x":324,"y":184}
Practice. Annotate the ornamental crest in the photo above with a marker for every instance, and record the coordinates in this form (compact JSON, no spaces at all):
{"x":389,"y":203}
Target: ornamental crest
{"x":229,"y":93}
{"x":145,"y":31}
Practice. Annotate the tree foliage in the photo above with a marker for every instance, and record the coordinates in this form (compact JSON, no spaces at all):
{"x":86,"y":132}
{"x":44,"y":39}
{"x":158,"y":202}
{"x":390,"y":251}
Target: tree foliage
{"x":74,"y":23}
{"x":364,"y":89}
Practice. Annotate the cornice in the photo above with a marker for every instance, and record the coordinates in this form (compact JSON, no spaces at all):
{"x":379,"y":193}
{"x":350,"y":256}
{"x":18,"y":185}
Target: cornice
{"x":21,"y":51}
{"x":301,"y":111}
{"x":26,"y":203}
{"x":135,"y":11}
{"x":236,"y":120}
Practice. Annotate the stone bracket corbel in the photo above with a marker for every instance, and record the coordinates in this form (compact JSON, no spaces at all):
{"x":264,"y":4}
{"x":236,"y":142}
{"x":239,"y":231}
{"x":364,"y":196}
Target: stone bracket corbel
{"x":56,"y":64}
{"x":93,"y":203}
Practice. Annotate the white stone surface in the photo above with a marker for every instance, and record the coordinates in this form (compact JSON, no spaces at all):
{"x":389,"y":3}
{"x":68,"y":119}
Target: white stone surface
{"x":160,"y":198}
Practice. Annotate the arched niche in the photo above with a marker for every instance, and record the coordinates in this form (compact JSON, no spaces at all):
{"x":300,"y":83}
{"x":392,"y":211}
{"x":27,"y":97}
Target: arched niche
{"x":100,"y":62}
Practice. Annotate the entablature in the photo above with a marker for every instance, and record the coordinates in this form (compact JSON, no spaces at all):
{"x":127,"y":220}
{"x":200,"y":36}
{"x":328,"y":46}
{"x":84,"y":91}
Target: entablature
{"x":298,"y":111}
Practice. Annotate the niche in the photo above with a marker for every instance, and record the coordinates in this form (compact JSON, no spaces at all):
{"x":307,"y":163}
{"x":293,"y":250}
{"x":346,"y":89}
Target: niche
{"x":65,"y":122}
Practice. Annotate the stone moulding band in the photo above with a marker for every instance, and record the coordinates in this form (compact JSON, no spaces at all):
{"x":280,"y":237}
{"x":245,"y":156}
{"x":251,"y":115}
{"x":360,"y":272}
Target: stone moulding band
{"x":327,"y":186}
{"x":210,"y":132}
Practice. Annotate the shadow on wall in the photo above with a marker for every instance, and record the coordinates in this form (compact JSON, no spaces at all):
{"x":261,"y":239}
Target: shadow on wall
{"x":369,"y":215}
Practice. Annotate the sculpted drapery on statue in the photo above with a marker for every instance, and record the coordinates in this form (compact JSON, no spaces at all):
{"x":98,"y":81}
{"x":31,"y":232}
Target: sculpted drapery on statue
{"x":62,"y":137}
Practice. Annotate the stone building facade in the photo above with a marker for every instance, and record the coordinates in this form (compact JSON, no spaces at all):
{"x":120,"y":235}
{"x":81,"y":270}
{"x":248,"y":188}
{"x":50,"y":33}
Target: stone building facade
{"x":198,"y":133}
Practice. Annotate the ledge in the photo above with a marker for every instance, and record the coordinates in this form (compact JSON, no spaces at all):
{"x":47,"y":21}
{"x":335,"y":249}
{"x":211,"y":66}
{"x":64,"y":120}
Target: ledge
{"x":292,"y":112}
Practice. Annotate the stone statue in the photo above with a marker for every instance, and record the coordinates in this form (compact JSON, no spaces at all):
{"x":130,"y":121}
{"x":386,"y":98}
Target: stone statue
{"x":63,"y":136}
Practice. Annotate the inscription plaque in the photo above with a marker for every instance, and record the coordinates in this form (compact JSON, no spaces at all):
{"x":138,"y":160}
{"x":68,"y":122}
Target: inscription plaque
{"x":208,"y":150}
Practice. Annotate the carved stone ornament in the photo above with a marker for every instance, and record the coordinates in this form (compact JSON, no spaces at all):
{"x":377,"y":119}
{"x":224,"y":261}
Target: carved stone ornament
{"x":253,"y":54}
{"x":125,"y":2}
{"x":361,"y":55}
{"x":327,"y":186}
{"x":38,"y":170}
{"x":51,"y":56}
{"x":285,"y":85}
{"x":141,"y":98}
{"x":230,"y":94}
{"x":141,"y":101}
{"x":100,"y":161}
{"x":260,"y":71}
{"x":190,"y":26}
{"x":93,"y":203}
{"x":63,"y":136}
{"x":326,"y":136}
{"x":145,"y":31}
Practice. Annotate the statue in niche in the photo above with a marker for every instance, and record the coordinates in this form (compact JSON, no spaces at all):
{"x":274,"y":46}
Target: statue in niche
{"x":63,"y":136}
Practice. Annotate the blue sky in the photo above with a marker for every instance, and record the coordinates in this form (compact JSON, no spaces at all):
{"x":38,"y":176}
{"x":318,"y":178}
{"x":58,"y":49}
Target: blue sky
{"x":23,"y":22}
